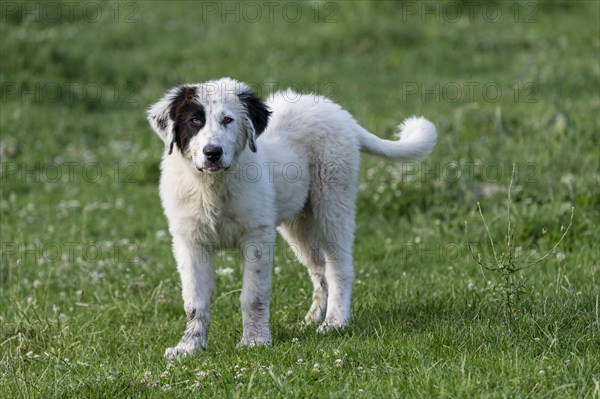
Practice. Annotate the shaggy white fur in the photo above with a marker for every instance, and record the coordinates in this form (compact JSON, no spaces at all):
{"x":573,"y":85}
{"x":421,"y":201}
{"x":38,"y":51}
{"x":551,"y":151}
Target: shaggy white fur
{"x":233,"y":179}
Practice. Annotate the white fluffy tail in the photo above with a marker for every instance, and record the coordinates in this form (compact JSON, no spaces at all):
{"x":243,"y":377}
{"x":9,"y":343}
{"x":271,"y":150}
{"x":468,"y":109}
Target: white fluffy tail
{"x":416,"y":139}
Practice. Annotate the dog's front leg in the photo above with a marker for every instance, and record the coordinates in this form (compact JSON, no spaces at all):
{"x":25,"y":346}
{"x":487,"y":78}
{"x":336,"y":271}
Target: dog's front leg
{"x":257,"y":255}
{"x":195,"y":265}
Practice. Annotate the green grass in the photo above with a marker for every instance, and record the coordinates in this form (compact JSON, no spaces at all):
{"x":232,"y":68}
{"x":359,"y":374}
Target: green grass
{"x":89,"y":295}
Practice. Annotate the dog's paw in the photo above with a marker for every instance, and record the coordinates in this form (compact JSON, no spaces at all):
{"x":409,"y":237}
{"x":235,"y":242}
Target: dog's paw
{"x":308,"y":322}
{"x":183,"y":348}
{"x":179,"y":351}
{"x":171,"y":353}
{"x":254,"y":342}
{"x":327,"y":326}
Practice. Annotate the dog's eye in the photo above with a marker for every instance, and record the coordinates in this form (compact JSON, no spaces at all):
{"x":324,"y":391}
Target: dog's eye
{"x":227,"y":120}
{"x":196,"y":121}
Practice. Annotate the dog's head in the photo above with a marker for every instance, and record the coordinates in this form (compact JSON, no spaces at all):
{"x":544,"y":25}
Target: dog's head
{"x":209,"y":123}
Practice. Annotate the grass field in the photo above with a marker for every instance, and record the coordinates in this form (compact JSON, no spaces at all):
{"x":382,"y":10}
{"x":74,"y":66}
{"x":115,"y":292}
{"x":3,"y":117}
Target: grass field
{"x":89,"y":295}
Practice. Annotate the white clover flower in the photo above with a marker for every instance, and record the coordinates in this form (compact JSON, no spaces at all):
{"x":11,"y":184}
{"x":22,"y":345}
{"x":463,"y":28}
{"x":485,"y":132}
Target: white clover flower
{"x":202,"y":374}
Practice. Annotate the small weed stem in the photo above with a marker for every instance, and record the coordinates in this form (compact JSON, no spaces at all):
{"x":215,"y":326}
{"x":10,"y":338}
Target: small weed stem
{"x":507,"y":264}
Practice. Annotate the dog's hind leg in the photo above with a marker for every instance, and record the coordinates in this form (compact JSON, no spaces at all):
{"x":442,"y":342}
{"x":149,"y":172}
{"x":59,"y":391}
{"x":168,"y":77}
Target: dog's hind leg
{"x":301,"y":235}
{"x":337,"y":245}
{"x":334,"y":209}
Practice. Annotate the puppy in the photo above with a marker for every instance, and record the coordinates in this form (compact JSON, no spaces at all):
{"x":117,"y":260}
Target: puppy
{"x":236,"y":168}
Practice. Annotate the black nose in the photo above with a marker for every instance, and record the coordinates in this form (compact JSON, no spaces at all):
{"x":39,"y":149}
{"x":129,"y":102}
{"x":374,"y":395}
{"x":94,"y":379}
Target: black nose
{"x":213,"y":152}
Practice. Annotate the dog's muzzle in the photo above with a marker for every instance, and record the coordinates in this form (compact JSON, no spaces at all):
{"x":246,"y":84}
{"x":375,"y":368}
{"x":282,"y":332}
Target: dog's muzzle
{"x":212,"y":159}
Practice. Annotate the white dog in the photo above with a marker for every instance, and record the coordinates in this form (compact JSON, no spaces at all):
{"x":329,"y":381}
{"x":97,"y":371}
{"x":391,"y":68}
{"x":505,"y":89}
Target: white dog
{"x":221,"y":188}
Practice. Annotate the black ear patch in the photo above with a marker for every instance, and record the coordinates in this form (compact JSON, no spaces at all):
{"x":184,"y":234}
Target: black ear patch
{"x":181,"y":108}
{"x":258,"y":112}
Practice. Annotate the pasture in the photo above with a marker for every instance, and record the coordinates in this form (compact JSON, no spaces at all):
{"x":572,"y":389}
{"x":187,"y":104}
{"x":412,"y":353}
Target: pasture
{"x":89,"y":295}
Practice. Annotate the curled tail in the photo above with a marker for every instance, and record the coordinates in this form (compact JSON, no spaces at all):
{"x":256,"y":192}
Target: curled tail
{"x":416,"y":138}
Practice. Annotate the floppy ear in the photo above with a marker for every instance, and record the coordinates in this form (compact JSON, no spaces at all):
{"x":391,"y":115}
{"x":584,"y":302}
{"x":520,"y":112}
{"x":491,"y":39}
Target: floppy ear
{"x":251,"y":132}
{"x":162,"y":114}
{"x":257,"y":116}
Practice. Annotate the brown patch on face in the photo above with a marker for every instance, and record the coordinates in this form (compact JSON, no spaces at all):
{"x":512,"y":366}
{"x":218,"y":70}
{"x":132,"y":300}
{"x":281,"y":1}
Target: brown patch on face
{"x":184,"y":110}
